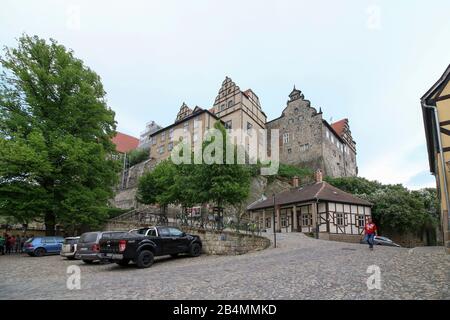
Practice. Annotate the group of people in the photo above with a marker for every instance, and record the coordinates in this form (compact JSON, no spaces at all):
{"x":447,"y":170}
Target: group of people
{"x":12,"y":244}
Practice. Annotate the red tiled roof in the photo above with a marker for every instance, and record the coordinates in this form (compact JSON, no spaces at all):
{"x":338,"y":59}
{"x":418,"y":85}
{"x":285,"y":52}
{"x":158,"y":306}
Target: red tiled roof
{"x":125,"y":143}
{"x":339,"y":126}
{"x":321,"y":191}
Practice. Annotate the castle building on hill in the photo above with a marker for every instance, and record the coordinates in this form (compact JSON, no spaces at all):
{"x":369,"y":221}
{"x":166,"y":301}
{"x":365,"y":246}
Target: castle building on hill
{"x":306,"y":139}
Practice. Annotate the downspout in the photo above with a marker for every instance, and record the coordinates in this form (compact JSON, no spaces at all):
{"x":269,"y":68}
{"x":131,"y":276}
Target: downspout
{"x":441,"y":157}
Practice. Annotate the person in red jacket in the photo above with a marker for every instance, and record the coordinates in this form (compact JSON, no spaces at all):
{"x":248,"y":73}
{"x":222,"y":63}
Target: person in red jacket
{"x":370,"y":231}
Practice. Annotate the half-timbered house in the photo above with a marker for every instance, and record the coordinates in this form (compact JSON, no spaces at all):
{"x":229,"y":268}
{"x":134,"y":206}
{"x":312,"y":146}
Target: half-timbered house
{"x":317,"y":208}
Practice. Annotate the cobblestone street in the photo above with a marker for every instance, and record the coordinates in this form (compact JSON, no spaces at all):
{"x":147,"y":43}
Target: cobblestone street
{"x":301,"y":268}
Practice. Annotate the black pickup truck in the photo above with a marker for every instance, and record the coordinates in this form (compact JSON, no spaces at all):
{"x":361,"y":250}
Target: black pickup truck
{"x":142,"y":245}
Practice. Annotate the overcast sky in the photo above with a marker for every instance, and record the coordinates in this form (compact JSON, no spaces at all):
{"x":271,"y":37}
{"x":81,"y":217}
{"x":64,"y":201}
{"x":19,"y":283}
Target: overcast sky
{"x":369,"y":61}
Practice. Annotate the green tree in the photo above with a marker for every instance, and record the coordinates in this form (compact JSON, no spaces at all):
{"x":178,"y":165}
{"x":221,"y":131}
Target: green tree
{"x":222,"y":183}
{"x":138,"y":156}
{"x":395,"y":208}
{"x":56,"y":161}
{"x":157,"y":186}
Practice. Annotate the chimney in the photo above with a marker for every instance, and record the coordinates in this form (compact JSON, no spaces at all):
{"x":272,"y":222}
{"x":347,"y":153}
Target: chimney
{"x":295,"y":182}
{"x":318,"y":176}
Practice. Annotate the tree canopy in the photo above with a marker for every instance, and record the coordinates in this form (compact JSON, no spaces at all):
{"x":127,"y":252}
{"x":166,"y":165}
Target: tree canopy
{"x":56,"y":161}
{"x":190,"y":184}
{"x":395,"y":208}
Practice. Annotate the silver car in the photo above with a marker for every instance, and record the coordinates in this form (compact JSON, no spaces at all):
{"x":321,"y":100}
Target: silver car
{"x":382,"y":241}
{"x":69,"y":247}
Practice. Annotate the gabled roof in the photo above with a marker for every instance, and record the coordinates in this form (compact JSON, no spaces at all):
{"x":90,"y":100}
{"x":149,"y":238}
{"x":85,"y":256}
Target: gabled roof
{"x":339,"y":126}
{"x":320,"y":191}
{"x":124,"y":142}
{"x":428,"y":99}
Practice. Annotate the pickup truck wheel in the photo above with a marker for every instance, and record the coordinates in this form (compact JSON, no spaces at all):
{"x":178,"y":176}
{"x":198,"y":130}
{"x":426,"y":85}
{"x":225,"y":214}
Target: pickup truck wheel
{"x":123,"y":262}
{"x":144,"y":259}
{"x":195,"y":250}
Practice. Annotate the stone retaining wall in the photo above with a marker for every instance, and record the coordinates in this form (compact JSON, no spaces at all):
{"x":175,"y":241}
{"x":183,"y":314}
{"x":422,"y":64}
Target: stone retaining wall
{"x":214,"y":242}
{"x":229,"y":243}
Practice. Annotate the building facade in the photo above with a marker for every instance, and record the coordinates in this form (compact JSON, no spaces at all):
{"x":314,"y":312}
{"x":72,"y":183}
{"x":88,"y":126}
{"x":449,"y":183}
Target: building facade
{"x":318,"y":208}
{"x":192,"y":124}
{"x":436,"y":117}
{"x":306,"y":139}
{"x":144,"y":138}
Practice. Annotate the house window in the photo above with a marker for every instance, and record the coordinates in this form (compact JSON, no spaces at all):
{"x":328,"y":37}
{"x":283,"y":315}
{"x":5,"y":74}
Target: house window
{"x":286,"y":137}
{"x":291,"y":120}
{"x":300,"y":118}
{"x":328,"y":134}
{"x":163,"y":136}
{"x":306,"y":219}
{"x":170,"y":146}
{"x":186,"y":126}
{"x":153,"y":140}
{"x":161,"y":150}
{"x":283,"y":222}
{"x":332,"y":139}
{"x":339,"y":218}
{"x":171,"y":134}
{"x":296,"y":110}
{"x":360,"y":221}
{"x":268,"y":223}
{"x":195,"y":137}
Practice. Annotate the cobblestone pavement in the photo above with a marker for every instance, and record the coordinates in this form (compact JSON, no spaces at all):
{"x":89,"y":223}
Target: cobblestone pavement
{"x":301,"y":268}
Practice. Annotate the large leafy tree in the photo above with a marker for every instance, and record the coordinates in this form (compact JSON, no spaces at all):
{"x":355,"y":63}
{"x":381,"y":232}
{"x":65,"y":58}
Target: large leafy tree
{"x":55,"y":137}
{"x":189,"y":184}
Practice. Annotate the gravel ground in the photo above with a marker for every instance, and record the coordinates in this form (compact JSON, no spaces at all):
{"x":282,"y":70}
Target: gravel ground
{"x":301,"y":268}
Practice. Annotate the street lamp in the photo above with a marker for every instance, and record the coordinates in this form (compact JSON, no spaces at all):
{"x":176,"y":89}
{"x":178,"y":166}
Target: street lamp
{"x":274,"y":230}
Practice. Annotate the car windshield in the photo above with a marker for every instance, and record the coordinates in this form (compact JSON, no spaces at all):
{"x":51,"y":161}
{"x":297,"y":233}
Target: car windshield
{"x":109,"y":235}
{"x":88,"y":237}
{"x":29,"y":240}
{"x":141,"y":231}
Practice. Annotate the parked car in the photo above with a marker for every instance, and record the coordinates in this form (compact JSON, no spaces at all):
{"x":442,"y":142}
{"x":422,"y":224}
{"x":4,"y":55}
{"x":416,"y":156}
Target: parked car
{"x":142,"y":245}
{"x":69,"y":247}
{"x":41,"y":246}
{"x":382,"y":241}
{"x":88,"y":248}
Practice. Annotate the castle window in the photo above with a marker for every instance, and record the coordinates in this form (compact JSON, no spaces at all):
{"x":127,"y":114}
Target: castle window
{"x":170,"y":146}
{"x":300,"y":118}
{"x":291,"y":120}
{"x":195,"y":137}
{"x":296,"y":110}
{"x":334,"y":153}
{"x":197,"y":122}
{"x":332,"y":139}
{"x":328,"y":134}
{"x":222,"y":106}
{"x":186,"y":126}
{"x":249,"y":128}
{"x":286,"y":137}
{"x":304,"y":147}
{"x":289,"y":150}
{"x":229,"y":125}
{"x":230,"y":103}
